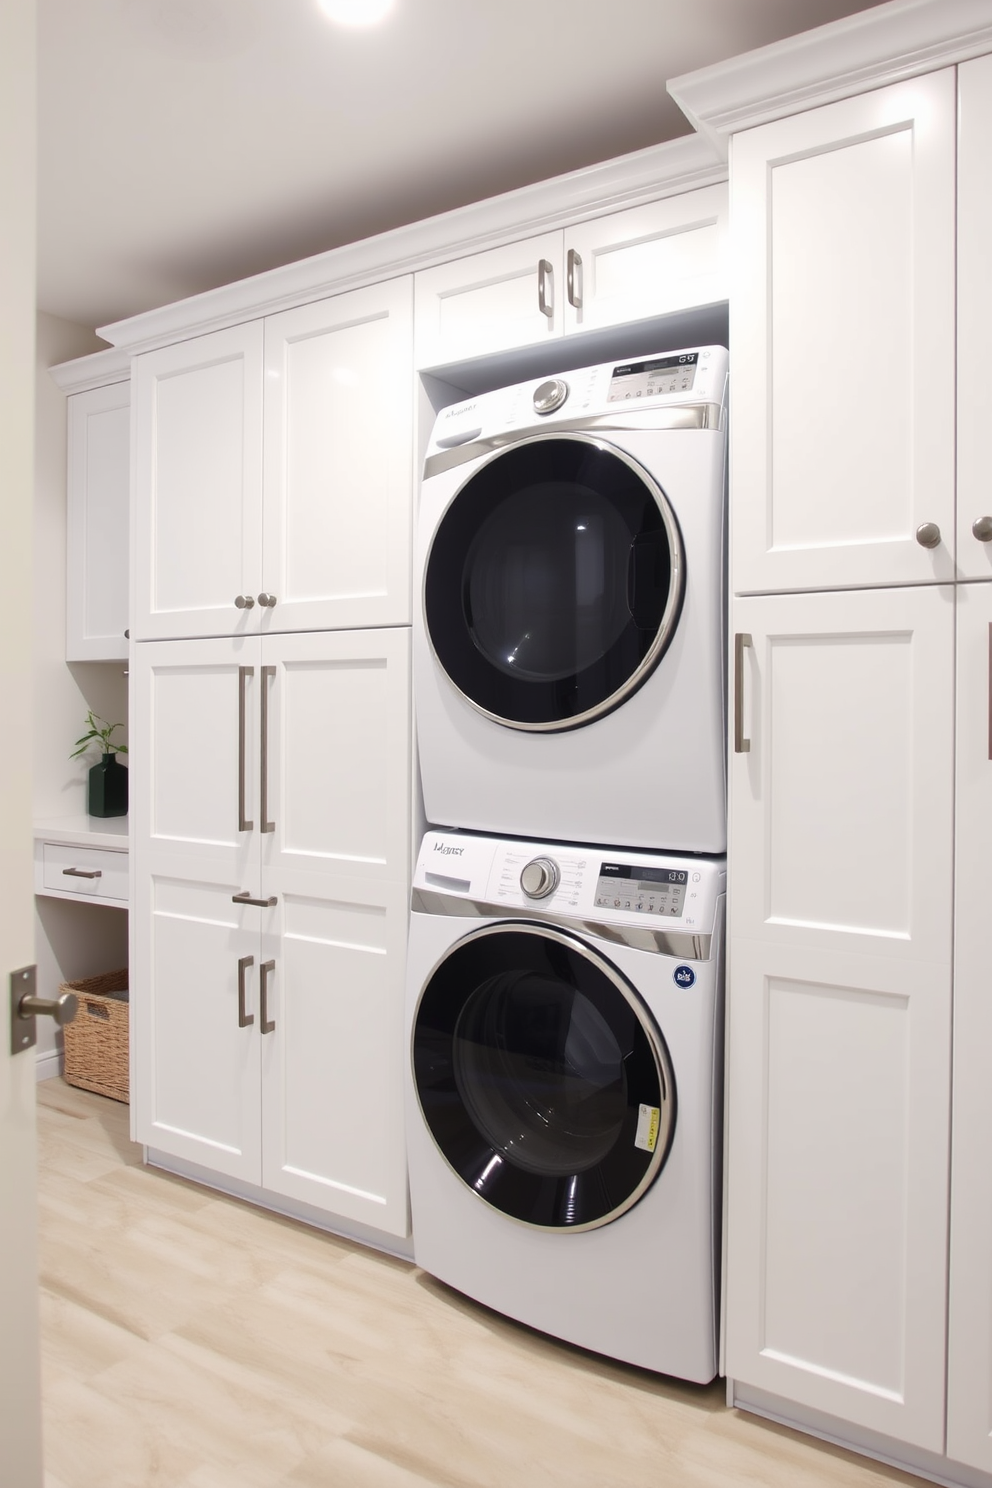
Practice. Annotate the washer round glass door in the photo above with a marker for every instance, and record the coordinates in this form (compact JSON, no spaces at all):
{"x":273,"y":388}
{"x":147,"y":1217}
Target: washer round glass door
{"x":554,"y":582}
{"x":542,"y":1077}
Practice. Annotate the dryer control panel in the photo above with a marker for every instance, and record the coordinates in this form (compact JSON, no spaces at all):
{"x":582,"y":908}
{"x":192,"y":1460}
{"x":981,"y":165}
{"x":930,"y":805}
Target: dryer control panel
{"x":655,"y":890}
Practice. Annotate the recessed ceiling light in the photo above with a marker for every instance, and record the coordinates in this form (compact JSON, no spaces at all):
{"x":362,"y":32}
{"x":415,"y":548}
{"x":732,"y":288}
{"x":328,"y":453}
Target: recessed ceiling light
{"x":355,"y":12}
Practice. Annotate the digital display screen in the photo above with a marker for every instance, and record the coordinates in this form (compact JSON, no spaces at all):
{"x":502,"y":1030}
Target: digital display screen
{"x":657,"y":364}
{"x":626,"y":886}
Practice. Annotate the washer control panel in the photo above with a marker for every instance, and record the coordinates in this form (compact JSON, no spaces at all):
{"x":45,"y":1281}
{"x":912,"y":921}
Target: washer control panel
{"x":654,"y":378}
{"x":584,"y":883}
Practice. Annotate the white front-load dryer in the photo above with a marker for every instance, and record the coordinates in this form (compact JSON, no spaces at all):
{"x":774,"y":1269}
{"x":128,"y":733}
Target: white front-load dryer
{"x":563,"y":1090}
{"x":569,"y":651}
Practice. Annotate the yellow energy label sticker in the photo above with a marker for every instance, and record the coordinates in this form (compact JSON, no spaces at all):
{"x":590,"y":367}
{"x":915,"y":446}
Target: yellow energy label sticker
{"x":648,"y":1120}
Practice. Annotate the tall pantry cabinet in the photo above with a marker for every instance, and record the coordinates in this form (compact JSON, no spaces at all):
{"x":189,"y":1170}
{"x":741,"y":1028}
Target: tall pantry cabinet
{"x":270,"y":815}
{"x":857,"y":864}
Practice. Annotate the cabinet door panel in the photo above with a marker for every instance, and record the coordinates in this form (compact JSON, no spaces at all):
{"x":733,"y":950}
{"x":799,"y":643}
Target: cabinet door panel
{"x":650,"y":260}
{"x":969,"y":1380}
{"x":196,"y":1083}
{"x":198,"y":485}
{"x":97,"y":523}
{"x":338,"y":754}
{"x":333,"y":1067}
{"x":339,"y":461}
{"x":488,"y":302}
{"x":842,"y":316}
{"x":974,"y":312}
{"x":839,"y":1006}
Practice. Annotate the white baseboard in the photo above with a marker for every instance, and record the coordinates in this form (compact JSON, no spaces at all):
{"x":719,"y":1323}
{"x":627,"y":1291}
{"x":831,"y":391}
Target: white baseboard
{"x":48,"y":1065}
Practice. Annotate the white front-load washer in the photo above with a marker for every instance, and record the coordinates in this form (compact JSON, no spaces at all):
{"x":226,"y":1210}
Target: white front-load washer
{"x":569,"y":650}
{"x":563,"y":1090}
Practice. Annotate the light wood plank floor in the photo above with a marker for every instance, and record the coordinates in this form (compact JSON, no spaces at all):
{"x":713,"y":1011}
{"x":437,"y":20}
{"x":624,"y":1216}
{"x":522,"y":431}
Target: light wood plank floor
{"x":191,"y":1341}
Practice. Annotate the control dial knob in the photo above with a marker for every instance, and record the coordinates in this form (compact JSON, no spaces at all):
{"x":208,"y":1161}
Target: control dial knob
{"x":550,"y":395}
{"x":540,"y":878}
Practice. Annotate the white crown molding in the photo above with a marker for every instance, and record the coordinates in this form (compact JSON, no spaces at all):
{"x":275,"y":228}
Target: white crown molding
{"x":97,"y":370}
{"x":679,"y":165}
{"x":886,"y":44}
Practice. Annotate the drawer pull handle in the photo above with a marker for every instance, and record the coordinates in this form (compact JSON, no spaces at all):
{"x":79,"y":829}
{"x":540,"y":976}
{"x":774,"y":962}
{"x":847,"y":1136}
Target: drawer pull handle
{"x":245,"y":1019}
{"x":82,"y":872}
{"x":245,"y":898}
{"x":268,"y":1026}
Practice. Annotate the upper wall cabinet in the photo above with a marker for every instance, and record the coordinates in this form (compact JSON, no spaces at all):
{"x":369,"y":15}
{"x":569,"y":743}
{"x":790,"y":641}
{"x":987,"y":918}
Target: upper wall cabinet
{"x":974,"y":319}
{"x":97,"y":524}
{"x":315,"y":535}
{"x":624,"y":267}
{"x":842,"y":324}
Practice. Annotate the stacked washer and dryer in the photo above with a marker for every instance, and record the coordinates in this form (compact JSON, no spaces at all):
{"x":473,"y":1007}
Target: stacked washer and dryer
{"x":564,"y":1004}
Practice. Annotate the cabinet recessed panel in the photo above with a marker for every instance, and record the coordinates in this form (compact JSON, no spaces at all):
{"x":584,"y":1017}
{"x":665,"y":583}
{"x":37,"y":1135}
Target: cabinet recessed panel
{"x":198,"y":487}
{"x":333,"y":1071}
{"x":202,"y":1095}
{"x":689,"y":254}
{"x":841,"y":344}
{"x":340,"y":762}
{"x":194,"y":763}
{"x":104,"y":526}
{"x":841,"y":781}
{"x":835,"y":1183}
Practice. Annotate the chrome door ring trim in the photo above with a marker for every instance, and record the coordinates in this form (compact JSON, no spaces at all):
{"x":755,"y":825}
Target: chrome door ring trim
{"x":684,"y":416}
{"x":680,"y":944}
{"x":662,"y":1059}
{"x":669,"y":619}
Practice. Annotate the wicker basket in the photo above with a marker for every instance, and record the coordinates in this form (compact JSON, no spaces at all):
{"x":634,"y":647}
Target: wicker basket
{"x":96,"y":1041}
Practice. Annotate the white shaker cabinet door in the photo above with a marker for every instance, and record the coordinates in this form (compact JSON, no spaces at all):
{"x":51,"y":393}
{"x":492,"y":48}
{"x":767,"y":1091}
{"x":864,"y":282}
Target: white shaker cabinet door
{"x":974,"y":318}
{"x":339,"y":461}
{"x":195,"y":952}
{"x":969,"y":1375}
{"x":839,"y":1004}
{"x":492,"y":301}
{"x":651,"y":260}
{"x":97,"y":523}
{"x":197,"y":483}
{"x":842,"y":324}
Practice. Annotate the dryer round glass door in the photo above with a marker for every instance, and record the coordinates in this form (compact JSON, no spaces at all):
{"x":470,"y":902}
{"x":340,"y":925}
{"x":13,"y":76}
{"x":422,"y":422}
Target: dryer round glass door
{"x":542,"y":1077}
{"x":554,"y":582}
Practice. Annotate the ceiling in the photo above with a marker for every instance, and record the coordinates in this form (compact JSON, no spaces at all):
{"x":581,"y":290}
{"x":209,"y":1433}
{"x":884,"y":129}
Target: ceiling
{"x":186,"y":143}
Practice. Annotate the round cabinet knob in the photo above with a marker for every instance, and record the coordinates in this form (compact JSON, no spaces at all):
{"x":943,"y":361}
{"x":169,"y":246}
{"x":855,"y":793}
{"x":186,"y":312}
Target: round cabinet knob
{"x":266,"y":600}
{"x":982,"y":529}
{"x":550,"y":395}
{"x":928,"y":535}
{"x":62,"y":1009}
{"x":539,"y":878}
{"x":244,"y":602}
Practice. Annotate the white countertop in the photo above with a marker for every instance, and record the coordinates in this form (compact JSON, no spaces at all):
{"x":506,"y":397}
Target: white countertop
{"x":84,"y":831}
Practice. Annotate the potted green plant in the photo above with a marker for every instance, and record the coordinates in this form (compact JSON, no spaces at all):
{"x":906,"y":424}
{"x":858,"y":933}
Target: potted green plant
{"x":107,"y":783}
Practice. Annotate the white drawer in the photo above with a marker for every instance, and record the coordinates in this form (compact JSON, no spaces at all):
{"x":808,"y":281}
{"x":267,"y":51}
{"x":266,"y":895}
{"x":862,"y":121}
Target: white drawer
{"x":89,"y":872}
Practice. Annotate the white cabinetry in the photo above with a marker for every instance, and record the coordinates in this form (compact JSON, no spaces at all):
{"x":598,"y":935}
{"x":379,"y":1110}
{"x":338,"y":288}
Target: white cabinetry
{"x":840,"y":985}
{"x":316,"y":535}
{"x":842,"y":324}
{"x":626,"y":266}
{"x":97,"y":524}
{"x":270,"y":913}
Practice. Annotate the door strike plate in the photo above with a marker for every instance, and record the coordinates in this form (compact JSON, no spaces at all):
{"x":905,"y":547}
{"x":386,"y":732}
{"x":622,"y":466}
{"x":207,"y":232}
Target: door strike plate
{"x":23,"y":1026}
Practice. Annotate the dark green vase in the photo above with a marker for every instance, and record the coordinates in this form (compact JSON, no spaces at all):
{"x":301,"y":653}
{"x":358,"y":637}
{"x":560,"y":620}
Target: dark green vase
{"x":108,"y":788}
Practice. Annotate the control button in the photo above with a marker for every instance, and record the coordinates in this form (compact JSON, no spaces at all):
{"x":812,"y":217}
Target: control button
{"x":550,"y":395}
{"x":539,"y":878}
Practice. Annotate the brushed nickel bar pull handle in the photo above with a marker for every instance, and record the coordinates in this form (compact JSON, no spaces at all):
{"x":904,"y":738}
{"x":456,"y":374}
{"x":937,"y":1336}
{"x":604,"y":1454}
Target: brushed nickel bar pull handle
{"x":267,"y":1025}
{"x":741,"y":745}
{"x":574,"y":280}
{"x":546,"y":280}
{"x":82,"y":872}
{"x":244,"y":672}
{"x":245,"y":1019}
{"x":263,"y":805}
{"x":245,"y":898}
